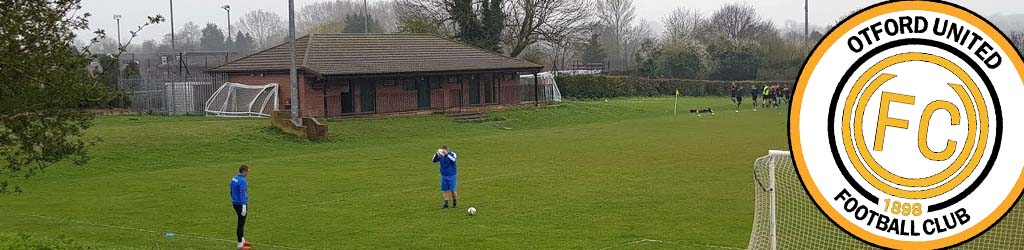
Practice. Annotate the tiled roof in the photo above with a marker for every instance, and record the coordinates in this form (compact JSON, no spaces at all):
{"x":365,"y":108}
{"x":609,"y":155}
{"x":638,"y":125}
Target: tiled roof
{"x":372,"y":54}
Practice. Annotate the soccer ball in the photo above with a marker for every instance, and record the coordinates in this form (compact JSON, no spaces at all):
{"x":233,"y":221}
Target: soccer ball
{"x":472,"y":211}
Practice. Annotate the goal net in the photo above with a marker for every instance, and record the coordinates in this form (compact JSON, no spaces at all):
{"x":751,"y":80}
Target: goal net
{"x":240,"y":100}
{"x":786,"y":218}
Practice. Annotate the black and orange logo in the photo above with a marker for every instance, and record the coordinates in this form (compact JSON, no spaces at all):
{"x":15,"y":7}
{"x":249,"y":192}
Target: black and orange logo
{"x":899,"y":126}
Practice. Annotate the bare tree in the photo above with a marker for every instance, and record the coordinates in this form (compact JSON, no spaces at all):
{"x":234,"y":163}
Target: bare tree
{"x":617,"y":17}
{"x":425,"y":16}
{"x":682,"y":24}
{"x":554,"y":21}
{"x":266,"y":28}
{"x":314,"y":15}
{"x":188,"y":37}
{"x":1017,"y":38}
{"x":634,"y":38}
{"x":736,"y":21}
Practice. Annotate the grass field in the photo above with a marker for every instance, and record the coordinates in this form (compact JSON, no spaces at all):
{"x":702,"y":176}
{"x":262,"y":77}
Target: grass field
{"x":618,"y":174}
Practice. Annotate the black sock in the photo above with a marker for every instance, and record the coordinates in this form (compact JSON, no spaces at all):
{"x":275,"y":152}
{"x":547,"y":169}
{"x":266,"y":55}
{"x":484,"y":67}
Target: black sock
{"x":455,"y":203}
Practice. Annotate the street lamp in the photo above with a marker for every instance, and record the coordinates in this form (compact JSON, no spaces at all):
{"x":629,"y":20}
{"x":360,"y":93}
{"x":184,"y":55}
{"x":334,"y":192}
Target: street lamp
{"x":228,"y":8}
{"x":118,"y":18}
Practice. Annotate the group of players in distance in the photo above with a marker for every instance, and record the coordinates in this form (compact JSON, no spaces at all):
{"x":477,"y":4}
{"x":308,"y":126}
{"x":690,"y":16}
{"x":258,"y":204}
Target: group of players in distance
{"x":239,"y":190}
{"x":771,"y":95}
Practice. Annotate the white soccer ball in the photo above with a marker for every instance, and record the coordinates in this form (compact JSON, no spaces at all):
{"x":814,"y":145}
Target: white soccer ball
{"x":472,"y":211}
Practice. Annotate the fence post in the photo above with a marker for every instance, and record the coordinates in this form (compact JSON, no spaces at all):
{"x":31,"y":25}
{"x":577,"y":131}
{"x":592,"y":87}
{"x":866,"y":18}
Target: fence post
{"x":536,"y":90}
{"x":462,"y":98}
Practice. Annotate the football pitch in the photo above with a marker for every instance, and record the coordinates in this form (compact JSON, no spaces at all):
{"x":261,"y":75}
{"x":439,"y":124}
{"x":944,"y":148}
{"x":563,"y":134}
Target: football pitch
{"x":616,"y":174}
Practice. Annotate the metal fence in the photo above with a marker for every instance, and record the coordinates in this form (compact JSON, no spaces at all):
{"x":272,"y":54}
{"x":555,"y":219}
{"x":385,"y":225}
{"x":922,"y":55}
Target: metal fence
{"x":170,"y":95}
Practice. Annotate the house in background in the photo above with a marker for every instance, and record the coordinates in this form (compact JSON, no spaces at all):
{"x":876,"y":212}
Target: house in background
{"x":355,"y":74}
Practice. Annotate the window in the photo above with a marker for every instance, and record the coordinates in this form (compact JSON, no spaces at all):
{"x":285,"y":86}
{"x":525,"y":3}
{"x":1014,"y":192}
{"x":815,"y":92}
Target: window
{"x":345,"y":88}
{"x":435,"y":83}
{"x":390,"y":82}
{"x":408,"y":84}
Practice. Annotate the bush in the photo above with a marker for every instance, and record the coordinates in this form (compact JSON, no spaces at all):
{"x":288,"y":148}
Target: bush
{"x":687,"y":60}
{"x":602,"y":86}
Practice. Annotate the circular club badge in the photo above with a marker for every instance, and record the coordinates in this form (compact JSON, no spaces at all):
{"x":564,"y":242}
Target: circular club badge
{"x":905,"y":126}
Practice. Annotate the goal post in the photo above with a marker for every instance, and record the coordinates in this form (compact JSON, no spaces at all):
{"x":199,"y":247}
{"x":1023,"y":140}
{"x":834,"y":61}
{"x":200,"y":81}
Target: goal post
{"x":240,"y":100}
{"x":786,"y":218}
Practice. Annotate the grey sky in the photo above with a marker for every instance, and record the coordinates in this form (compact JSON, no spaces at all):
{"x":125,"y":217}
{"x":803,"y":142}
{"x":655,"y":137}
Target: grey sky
{"x":203,"y":11}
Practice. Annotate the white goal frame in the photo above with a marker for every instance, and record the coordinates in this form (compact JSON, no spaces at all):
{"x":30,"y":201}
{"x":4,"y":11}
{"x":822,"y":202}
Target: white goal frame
{"x":254,"y":108}
{"x":786,"y":218}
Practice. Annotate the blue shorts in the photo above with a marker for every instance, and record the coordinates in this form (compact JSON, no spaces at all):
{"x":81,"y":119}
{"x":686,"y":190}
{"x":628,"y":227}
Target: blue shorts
{"x":448,"y":183}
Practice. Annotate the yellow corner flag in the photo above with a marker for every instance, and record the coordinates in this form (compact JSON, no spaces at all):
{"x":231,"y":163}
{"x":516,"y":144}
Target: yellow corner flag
{"x":675,"y":104}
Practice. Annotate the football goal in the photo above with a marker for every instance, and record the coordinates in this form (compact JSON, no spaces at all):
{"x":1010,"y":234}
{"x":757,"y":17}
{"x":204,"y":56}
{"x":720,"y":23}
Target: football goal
{"x":786,"y":218}
{"x":240,"y":100}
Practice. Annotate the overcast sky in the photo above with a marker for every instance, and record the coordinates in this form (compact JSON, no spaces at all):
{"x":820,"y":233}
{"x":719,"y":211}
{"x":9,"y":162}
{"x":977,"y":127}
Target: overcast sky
{"x":134,"y":12}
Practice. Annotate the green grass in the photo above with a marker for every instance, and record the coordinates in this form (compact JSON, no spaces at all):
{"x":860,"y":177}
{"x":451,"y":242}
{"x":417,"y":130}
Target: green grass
{"x":580,"y":175}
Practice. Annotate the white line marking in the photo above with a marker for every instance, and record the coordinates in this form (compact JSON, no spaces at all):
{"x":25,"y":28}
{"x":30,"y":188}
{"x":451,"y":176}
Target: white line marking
{"x":152,"y":231}
{"x":668,"y":242}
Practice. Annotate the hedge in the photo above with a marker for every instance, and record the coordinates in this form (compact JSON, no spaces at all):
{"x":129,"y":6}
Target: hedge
{"x":603,"y":86}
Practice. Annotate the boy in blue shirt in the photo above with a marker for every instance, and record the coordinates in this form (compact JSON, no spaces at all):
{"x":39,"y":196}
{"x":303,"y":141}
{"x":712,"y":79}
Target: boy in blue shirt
{"x":448,"y":172}
{"x":240,"y":200}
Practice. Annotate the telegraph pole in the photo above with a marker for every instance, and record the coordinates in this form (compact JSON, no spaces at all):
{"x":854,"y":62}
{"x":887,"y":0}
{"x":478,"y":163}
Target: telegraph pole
{"x":291,"y":54}
{"x":172,"y":24}
{"x":807,"y":34}
{"x":366,"y":18}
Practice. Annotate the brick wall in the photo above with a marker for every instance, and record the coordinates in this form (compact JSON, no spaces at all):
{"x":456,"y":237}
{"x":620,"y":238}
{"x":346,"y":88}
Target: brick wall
{"x":394,"y":97}
{"x":311,"y":102}
{"x":391,"y":94}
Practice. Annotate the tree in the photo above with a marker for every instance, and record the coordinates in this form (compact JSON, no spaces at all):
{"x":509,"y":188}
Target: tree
{"x":634,"y":39}
{"x":244,"y":44}
{"x":45,"y":87}
{"x":149,"y":47}
{"x":266,"y":28}
{"x":735,"y":21}
{"x":424,"y":16}
{"x":419,"y":25}
{"x":682,"y":24}
{"x":552,"y":21}
{"x":360,"y":23}
{"x":481,"y":30}
{"x":684,"y":60}
{"x":1017,"y":38}
{"x":782,"y":59}
{"x":617,"y":17}
{"x":213,"y":38}
{"x":534,"y":56}
{"x":188,"y":37}
{"x":736,"y":59}
{"x":646,"y":58}
{"x":105,"y":45}
{"x":329,"y":27}
{"x":312,"y":15}
{"x":593,"y":50}
{"x":492,"y":21}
